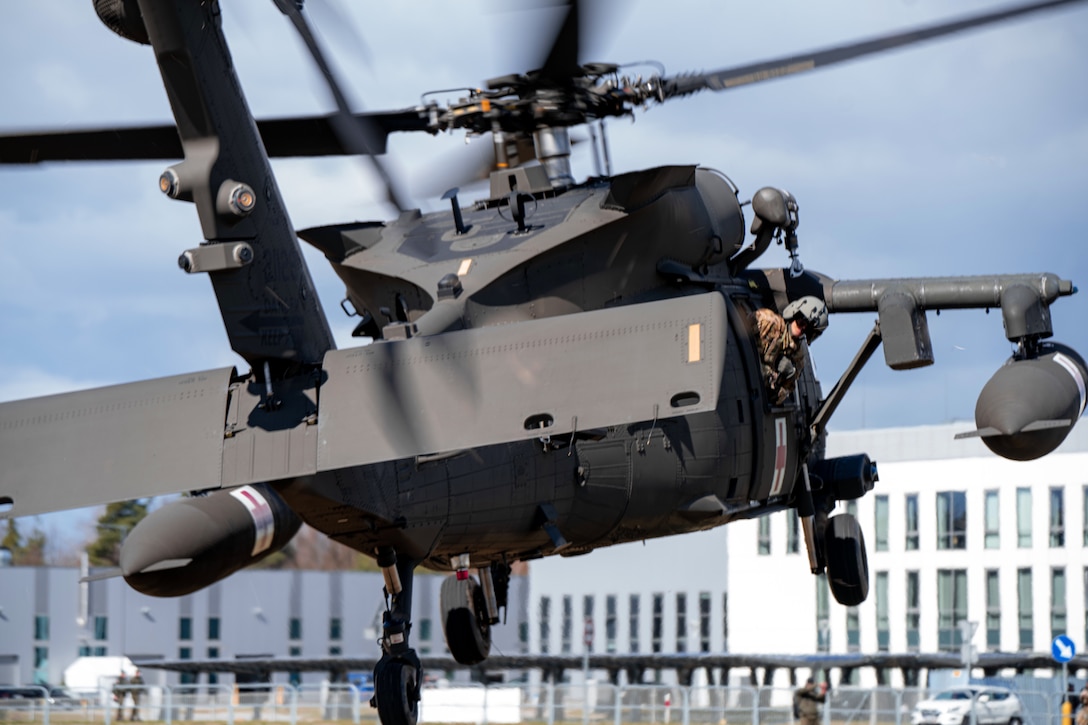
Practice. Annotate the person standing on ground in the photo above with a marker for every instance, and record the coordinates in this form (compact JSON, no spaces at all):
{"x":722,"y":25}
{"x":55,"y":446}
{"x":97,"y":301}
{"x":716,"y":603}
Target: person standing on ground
{"x":810,"y":699}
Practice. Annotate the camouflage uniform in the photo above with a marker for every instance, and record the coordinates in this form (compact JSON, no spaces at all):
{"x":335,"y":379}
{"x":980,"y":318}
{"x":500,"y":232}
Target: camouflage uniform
{"x":776,"y":342}
{"x":808,"y":701}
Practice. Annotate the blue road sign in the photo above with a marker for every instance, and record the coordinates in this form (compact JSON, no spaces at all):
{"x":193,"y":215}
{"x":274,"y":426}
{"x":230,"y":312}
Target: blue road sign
{"x":1062,"y":648}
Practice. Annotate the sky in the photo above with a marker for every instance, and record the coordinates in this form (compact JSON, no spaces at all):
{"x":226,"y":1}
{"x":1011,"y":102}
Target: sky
{"x":956,"y":157}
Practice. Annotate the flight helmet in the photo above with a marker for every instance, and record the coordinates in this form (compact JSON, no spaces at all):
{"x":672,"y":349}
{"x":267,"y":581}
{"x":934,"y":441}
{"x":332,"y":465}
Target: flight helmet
{"x":811,"y":312}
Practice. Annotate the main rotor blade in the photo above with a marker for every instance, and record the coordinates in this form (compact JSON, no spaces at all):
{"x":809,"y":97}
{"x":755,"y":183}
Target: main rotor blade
{"x":727,"y":78}
{"x":282,"y":137}
{"x":355,"y":134}
{"x":562,"y":60}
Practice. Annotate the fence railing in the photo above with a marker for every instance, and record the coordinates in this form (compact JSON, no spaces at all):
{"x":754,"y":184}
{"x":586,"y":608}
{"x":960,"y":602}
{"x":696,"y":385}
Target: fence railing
{"x":564,"y":704}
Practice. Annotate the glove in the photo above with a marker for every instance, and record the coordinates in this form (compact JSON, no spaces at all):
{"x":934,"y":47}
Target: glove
{"x":786,"y":368}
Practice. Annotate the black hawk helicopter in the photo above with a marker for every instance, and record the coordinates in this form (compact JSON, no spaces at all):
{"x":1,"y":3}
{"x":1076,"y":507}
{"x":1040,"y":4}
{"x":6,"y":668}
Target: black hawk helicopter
{"x":560,"y":366}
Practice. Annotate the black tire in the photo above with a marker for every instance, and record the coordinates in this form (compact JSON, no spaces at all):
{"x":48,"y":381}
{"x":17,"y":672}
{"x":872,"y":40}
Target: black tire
{"x":847,"y":562}
{"x":396,"y":691}
{"x":123,"y":17}
{"x":1015,"y":721}
{"x":464,"y":620}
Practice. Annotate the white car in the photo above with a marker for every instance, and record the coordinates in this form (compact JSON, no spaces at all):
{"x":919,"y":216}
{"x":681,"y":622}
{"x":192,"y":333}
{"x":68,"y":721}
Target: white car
{"x":992,"y":706}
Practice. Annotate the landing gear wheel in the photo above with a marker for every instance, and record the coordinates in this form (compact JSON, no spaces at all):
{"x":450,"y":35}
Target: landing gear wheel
{"x":847,"y":563}
{"x":465,"y":621}
{"x":396,"y":691}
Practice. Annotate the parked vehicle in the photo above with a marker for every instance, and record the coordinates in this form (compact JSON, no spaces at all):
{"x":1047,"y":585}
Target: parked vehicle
{"x":990,"y":706}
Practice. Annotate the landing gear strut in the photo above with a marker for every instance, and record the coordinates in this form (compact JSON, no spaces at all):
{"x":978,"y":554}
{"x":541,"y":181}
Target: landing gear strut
{"x":398,"y":674}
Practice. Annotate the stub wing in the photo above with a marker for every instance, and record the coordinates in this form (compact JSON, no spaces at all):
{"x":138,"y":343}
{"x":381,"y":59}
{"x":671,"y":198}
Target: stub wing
{"x":116,"y":443}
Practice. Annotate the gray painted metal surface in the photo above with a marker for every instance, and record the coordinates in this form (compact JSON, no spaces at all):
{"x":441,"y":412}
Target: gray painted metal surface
{"x":120,"y":442}
{"x":521,"y":382}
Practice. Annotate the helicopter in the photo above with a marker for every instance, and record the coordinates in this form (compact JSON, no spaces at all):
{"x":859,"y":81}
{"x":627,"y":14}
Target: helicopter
{"x":521,"y":398}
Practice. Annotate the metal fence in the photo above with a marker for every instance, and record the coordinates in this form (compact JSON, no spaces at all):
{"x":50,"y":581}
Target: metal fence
{"x":597,"y":702}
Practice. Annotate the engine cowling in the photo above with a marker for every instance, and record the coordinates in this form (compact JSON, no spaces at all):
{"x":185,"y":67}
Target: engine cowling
{"x":193,"y":542}
{"x":1030,"y":405}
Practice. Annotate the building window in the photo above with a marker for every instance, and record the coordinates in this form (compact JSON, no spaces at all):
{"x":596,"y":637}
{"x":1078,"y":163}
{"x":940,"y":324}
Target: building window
{"x":914,"y":613}
{"x":587,"y":619}
{"x":213,"y":628}
{"x":568,"y":624}
{"x":101,"y":630}
{"x":99,"y":652}
{"x":335,"y":633}
{"x":823,"y":618}
{"x":883,"y":622}
{"x":682,"y":621}
{"x":632,"y":623}
{"x":1084,"y":516}
{"x":41,"y":666}
{"x":84,"y":650}
{"x":1057,"y":518}
{"x":185,"y":628}
{"x":911,"y":542}
{"x":425,"y":629}
{"x":213,"y":677}
{"x":793,"y":532}
{"x":1085,"y":600}
{"x":704,"y":621}
{"x":186,"y":678}
{"x":610,"y":623}
{"x":545,"y":624}
{"x":41,"y":627}
{"x":764,"y":535}
{"x":951,"y":520}
{"x":294,"y":628}
{"x":951,"y":608}
{"x":725,"y":621}
{"x":334,"y":651}
{"x":1023,"y":518}
{"x":853,"y":630}
{"x":295,"y":651}
{"x":993,"y":610}
{"x":1058,"y":622}
{"x":657,"y":622}
{"x":1025,"y":611}
{"x":992,"y":534}
{"x":880,"y":524}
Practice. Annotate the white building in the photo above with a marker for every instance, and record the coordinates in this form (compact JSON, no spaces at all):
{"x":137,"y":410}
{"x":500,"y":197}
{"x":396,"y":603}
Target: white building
{"x":953,"y":533}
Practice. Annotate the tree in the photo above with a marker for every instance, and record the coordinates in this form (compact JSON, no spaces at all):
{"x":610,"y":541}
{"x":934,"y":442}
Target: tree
{"x":25,"y":551}
{"x":113,"y":526}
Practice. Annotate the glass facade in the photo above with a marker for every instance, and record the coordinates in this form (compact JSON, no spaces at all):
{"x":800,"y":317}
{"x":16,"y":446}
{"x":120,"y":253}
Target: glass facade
{"x":1058,"y":620}
{"x":992,"y":534}
{"x":1023,"y":518}
{"x":993,"y":610}
{"x":764,"y":535}
{"x":1025,"y":610}
{"x":883,"y":622}
{"x":1057,"y":517}
{"x":911,"y":509}
{"x":951,"y":608}
{"x":880,"y":523}
{"x":951,"y":520}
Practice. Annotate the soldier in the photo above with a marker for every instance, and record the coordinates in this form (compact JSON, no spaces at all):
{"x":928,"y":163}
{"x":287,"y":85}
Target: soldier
{"x":808,"y":700}
{"x":780,"y":348}
{"x":137,"y":684}
{"x":120,"y":688}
